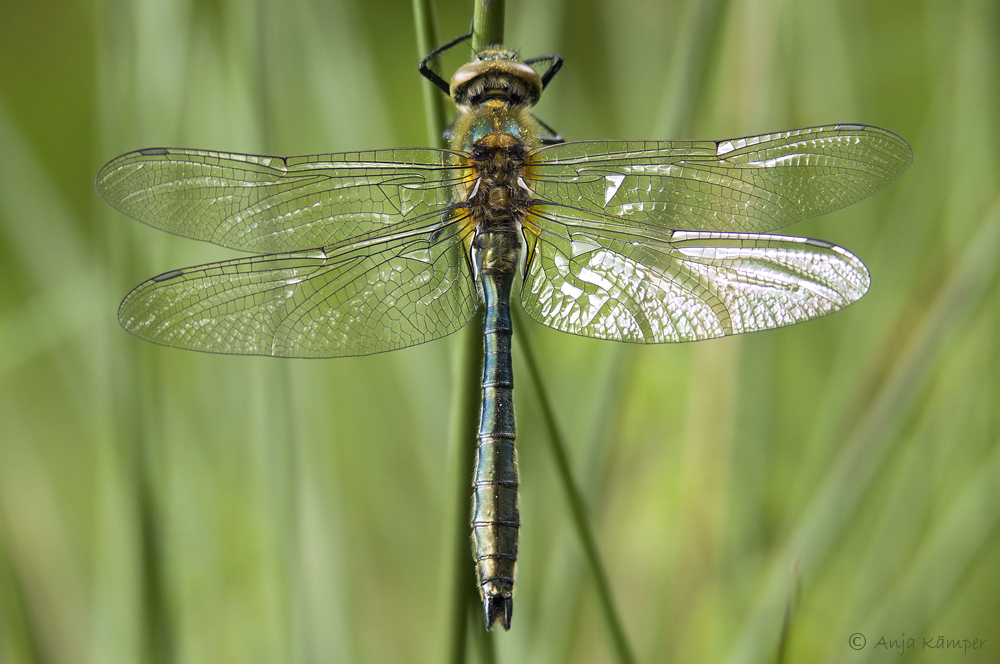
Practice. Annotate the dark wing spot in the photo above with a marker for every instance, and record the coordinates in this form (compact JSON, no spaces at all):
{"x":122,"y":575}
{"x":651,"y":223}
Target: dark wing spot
{"x":167,"y":276}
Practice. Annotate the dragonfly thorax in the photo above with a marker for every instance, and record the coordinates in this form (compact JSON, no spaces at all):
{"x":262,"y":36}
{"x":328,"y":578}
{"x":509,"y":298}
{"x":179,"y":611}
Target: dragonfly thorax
{"x":500,"y":157}
{"x":497,"y":198}
{"x":497,"y":195}
{"x":496,"y":75}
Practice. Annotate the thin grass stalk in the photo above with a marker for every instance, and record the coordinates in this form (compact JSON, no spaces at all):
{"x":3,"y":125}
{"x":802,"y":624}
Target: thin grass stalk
{"x":427,"y":41}
{"x":465,"y":408}
{"x":574,"y":497}
{"x":488,"y":24}
{"x":465,"y":404}
{"x":684,"y":85}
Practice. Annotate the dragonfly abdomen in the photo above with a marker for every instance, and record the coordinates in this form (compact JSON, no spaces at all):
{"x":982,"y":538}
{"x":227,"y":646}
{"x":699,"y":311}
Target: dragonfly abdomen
{"x":495,"y":519}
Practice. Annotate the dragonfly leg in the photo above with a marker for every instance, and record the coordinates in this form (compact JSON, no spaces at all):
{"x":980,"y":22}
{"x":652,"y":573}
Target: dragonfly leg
{"x":555,"y":64}
{"x":553,"y":136}
{"x":425,"y":68}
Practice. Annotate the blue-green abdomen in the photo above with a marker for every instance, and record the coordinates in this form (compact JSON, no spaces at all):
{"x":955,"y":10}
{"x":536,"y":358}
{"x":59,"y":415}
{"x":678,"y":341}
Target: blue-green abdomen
{"x":495,"y":519}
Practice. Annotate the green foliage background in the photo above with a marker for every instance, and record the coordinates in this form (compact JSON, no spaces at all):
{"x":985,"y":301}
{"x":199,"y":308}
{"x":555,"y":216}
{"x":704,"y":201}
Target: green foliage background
{"x":753,"y":498}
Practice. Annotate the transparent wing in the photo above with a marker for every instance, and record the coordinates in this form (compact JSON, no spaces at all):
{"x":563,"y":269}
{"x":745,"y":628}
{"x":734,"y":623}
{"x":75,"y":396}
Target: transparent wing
{"x":754,"y":184}
{"x":372,"y":294}
{"x":659,"y":286}
{"x":270,"y":204}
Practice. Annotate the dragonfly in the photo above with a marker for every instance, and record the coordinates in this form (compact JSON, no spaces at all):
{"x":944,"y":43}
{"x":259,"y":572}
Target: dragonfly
{"x":358,"y":253}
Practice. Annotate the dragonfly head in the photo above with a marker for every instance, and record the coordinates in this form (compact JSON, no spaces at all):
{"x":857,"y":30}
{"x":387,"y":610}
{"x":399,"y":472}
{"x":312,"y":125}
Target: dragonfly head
{"x":496,"y":74}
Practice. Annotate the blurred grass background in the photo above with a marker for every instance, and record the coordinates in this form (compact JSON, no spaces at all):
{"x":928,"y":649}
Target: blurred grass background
{"x":754,"y":498}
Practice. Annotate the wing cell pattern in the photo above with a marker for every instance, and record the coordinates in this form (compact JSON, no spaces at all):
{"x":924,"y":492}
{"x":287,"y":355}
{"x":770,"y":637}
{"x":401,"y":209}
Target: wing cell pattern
{"x":755,"y":184}
{"x":367,"y":252}
{"x":684,"y":285}
{"x":266,"y":204}
{"x":374,"y":295}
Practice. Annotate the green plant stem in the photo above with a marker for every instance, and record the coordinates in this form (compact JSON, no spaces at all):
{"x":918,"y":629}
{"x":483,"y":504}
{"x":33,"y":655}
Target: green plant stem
{"x":465,"y":408}
{"x":487,"y":24}
{"x":577,"y":508}
{"x":427,"y":41}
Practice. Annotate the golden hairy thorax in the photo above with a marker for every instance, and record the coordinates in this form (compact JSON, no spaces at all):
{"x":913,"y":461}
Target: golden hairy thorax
{"x":494,"y":141}
{"x":494,"y":137}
